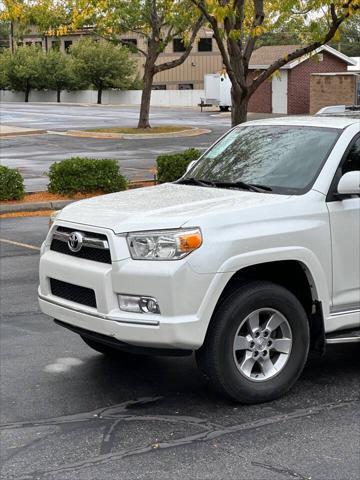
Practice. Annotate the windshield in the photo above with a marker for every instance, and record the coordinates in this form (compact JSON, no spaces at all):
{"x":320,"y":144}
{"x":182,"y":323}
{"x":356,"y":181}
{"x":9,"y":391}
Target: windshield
{"x":286,"y":159}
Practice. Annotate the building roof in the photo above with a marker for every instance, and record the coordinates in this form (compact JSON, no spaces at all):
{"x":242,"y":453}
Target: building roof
{"x":263,"y":57}
{"x":355,"y":67}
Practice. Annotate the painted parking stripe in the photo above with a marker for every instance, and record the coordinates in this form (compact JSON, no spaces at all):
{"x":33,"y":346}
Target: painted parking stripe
{"x":19,"y":244}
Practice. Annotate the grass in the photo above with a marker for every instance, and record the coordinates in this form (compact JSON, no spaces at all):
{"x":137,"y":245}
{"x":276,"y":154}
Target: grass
{"x":141,"y":131}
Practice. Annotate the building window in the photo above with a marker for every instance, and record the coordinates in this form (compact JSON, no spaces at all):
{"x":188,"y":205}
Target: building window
{"x":129,"y":41}
{"x":55,"y":45}
{"x":159,"y":87}
{"x":178,"y":45}
{"x":28,"y":44}
{"x":38,"y":44}
{"x":186,"y":86}
{"x":205,"y":45}
{"x":67,"y":45}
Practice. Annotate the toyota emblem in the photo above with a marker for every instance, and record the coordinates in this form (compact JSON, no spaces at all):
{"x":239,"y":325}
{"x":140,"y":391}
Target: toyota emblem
{"x":75,"y":241}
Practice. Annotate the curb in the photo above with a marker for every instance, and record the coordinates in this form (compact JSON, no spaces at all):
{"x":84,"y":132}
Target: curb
{"x":35,"y":207}
{"x":192,"y":132}
{"x":17,"y":134}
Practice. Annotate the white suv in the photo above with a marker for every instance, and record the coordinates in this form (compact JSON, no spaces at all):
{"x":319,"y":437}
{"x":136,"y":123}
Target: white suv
{"x":250,"y":259}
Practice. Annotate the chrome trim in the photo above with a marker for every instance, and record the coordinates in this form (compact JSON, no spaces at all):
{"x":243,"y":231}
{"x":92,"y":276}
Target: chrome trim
{"x":346,"y":312}
{"x":342,"y":340}
{"x":91,"y":242}
{"x":103,"y":316}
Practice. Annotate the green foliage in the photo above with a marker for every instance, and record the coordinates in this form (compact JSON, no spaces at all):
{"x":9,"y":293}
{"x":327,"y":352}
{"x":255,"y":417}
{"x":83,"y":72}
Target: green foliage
{"x":349,"y":41}
{"x":85,"y":175}
{"x":11,"y":184}
{"x":102,"y":64}
{"x":57,"y":72}
{"x":171,"y":167}
{"x":22,"y":70}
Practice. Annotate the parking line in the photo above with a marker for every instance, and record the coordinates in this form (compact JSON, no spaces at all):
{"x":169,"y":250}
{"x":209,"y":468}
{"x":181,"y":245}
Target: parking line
{"x":19,"y":244}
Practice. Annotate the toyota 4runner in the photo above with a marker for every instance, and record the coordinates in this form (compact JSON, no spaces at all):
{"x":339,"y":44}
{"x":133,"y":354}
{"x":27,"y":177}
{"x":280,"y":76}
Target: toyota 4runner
{"x":250,"y":260}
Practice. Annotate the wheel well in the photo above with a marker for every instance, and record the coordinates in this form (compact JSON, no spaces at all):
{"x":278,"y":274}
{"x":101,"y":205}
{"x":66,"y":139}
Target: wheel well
{"x":295,"y":277}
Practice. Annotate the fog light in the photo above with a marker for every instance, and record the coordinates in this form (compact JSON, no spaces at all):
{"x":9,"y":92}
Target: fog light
{"x":135,"y":304}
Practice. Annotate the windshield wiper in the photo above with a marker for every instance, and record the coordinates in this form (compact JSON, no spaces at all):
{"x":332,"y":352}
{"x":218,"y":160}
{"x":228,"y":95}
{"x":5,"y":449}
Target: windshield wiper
{"x":252,"y":187}
{"x":195,"y":181}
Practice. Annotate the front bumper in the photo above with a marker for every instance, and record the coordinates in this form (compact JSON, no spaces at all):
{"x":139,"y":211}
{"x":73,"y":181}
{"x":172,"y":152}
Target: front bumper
{"x":186,"y":298}
{"x":178,"y":333}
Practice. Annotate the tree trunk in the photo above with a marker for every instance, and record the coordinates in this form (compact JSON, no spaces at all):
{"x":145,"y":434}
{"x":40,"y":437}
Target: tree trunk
{"x":148,"y":79}
{"x":27,"y":91}
{"x":58,"y":95}
{"x":239,"y":107}
{"x":99,"y":95}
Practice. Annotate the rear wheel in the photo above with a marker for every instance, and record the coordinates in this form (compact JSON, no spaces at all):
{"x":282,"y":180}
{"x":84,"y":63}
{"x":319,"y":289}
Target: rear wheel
{"x":257,"y":343}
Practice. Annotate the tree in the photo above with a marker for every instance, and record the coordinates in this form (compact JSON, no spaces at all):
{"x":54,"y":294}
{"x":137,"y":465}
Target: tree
{"x":57,"y":73}
{"x":102,"y":64}
{"x":23,"y":69}
{"x":157,"y":21}
{"x":238,"y":25}
{"x":349,"y":38}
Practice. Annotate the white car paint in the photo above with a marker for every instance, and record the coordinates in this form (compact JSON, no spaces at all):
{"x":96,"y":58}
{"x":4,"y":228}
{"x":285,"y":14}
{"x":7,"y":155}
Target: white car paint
{"x":239,"y":229}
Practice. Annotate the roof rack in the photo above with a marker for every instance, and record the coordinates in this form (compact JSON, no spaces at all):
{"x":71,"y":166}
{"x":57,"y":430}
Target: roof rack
{"x":338,"y":109}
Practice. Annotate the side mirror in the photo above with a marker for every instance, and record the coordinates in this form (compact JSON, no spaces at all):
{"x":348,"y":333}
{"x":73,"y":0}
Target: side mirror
{"x":349,"y":184}
{"x":189,"y":167}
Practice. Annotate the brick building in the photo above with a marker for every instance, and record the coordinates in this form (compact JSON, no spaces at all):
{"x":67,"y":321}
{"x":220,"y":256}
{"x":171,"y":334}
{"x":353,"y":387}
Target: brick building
{"x":328,"y":89}
{"x":289,"y":90}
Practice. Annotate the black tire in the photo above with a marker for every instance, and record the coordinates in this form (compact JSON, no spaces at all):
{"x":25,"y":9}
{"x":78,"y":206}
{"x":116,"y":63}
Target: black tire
{"x":106,"y":349}
{"x":216,"y":358}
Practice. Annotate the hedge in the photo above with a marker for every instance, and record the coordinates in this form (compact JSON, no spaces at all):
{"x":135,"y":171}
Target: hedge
{"x":171,"y":167}
{"x":85,"y":175}
{"x":11,"y":184}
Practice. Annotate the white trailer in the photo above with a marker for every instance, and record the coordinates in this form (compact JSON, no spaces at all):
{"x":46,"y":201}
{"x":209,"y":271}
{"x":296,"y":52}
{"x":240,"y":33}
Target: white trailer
{"x":217,"y":88}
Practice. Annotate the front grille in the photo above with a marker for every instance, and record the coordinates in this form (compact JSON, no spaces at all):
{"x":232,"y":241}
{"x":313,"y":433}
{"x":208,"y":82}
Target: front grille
{"x":74,"y":293}
{"x":101,"y":255}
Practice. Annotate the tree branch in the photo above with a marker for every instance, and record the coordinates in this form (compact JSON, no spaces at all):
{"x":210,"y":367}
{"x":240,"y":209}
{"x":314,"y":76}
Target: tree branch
{"x":257,"y":22}
{"x":184,"y":56}
{"x":336,"y":22}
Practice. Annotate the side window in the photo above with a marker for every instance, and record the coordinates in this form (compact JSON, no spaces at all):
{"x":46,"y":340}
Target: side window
{"x":352,"y":162}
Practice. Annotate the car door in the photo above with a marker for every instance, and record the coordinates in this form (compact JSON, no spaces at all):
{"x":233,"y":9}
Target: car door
{"x":344,"y":216}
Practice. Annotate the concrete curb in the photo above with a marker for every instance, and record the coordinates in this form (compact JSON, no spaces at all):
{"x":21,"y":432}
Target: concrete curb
{"x":35,"y":207}
{"x":192,"y":132}
{"x":17,"y":134}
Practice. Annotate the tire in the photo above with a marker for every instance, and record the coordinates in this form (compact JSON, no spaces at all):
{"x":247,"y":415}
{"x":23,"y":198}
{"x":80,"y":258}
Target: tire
{"x":234,"y":368}
{"x":106,"y":349}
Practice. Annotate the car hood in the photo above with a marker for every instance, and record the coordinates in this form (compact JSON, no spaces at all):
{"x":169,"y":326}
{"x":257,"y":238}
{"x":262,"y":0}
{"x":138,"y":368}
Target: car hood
{"x":164,"y":206}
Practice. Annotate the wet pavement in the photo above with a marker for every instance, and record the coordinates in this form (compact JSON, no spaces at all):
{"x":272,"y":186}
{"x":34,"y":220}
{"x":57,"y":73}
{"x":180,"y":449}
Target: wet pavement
{"x":33,"y":154}
{"x":70,"y":413}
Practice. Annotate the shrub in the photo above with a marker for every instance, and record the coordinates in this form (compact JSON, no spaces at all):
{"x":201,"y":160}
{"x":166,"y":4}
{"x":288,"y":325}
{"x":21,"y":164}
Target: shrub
{"x":171,"y":167}
{"x":85,"y":175}
{"x":11,"y":184}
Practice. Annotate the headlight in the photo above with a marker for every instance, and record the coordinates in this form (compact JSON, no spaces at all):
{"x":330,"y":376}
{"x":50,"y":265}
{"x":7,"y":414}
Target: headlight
{"x":164,"y":244}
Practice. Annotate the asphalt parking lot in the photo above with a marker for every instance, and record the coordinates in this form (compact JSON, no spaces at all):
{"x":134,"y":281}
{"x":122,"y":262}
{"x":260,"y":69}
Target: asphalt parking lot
{"x":70,"y":413}
{"x":33,"y":154}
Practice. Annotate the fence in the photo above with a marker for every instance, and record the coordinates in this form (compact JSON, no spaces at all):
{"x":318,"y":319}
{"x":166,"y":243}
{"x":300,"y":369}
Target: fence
{"x":175,"y":98}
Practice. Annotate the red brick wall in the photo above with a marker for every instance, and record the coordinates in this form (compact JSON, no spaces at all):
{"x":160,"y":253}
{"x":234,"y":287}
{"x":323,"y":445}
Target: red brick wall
{"x":299,"y":80}
{"x":260,"y":101}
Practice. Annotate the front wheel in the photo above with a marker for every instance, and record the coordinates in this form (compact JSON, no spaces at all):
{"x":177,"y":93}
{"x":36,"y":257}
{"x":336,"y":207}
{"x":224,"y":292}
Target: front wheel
{"x":257,"y":343}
